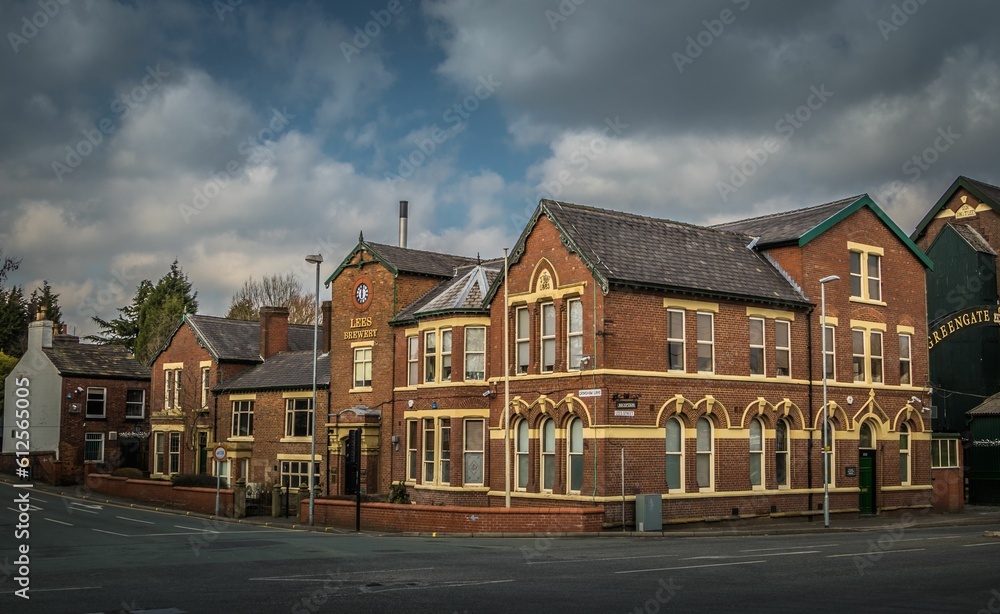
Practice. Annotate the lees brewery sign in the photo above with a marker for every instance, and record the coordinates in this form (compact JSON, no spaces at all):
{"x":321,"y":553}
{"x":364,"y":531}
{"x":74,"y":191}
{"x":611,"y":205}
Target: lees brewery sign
{"x":974,"y":316}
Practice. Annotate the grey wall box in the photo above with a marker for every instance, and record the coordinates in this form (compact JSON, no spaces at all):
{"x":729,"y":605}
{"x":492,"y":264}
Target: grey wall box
{"x":648,"y":512}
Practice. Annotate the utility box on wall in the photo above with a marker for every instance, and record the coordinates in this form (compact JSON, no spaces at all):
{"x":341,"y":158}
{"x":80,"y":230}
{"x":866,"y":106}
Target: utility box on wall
{"x":648,"y":513}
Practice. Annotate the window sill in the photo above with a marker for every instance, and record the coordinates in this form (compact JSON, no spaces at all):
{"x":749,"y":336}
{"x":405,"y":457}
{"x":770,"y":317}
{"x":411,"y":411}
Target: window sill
{"x":868,"y":301}
{"x":360,"y":389}
{"x":302,"y":439}
{"x":241,"y":438}
{"x":135,"y":418}
{"x":89,"y":417}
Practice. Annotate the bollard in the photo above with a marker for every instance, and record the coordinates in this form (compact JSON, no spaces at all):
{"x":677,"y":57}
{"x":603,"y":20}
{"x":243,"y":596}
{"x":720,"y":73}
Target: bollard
{"x":276,"y":501}
{"x":240,"y":499}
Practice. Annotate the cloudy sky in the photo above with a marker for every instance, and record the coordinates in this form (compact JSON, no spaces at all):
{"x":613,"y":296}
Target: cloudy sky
{"x":239,"y":136}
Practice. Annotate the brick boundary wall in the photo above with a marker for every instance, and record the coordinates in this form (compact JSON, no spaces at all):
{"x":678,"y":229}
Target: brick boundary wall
{"x":454,"y":519}
{"x":153,"y":491}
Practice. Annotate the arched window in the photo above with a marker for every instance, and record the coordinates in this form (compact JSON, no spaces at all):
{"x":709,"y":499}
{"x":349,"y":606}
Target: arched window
{"x":831,"y":463}
{"x":756,"y":453}
{"x":574,"y":454}
{"x":866,"y":437}
{"x":675,"y":455}
{"x":904,"y":454}
{"x":781,"y":447}
{"x":548,"y":468}
{"x":521,"y":452}
{"x":704,"y":449}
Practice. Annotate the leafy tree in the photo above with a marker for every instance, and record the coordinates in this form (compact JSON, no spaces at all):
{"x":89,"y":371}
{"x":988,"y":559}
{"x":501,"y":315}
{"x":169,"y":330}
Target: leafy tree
{"x":160,"y":312}
{"x":13,"y":321}
{"x":124,"y":329}
{"x":7,"y":265}
{"x":43,"y":297}
{"x":7,"y":364}
{"x":273,"y":291}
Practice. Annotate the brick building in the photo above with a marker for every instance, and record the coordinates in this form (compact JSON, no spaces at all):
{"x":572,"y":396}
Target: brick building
{"x":694,"y":352}
{"x":202,"y":353}
{"x":84,"y":403}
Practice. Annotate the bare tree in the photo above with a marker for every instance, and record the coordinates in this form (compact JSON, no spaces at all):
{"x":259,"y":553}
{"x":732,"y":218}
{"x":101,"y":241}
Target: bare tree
{"x":273,"y":291}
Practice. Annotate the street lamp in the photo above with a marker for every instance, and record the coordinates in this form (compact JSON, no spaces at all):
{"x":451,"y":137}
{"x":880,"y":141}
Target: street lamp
{"x":316,"y":259}
{"x":826,"y":429}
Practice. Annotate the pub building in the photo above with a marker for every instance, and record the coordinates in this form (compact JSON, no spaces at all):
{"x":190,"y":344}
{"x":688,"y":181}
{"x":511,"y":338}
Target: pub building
{"x":692,"y":353}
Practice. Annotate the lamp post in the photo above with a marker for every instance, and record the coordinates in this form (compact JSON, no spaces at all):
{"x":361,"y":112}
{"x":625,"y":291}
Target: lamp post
{"x":316,"y":259}
{"x":826,"y":430}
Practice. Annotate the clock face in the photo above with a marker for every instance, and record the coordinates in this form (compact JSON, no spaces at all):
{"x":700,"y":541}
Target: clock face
{"x":362,"y":294}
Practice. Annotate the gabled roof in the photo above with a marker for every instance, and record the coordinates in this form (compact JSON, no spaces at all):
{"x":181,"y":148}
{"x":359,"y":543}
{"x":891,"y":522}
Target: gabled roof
{"x":88,"y":360}
{"x":284,"y":370}
{"x":628,"y":249}
{"x":405,"y":260}
{"x":463,"y":293}
{"x":989,"y":407}
{"x":971,"y":236}
{"x":985,"y":192}
{"x":239,"y":340}
{"x":800,"y":226}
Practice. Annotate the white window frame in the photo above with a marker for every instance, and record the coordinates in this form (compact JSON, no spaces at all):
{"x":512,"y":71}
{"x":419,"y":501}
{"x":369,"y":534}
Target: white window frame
{"x":779,"y":349}
{"x":430,"y":357}
{"x":159,"y":452}
{"x":444,"y":450}
{"x":241,"y":409}
{"x":574,"y":453}
{"x":174,"y":455}
{"x":710,"y":343}
{"x":906,"y":362}
{"x":877,"y":277}
{"x":473,"y":453}
{"x":782,"y":452}
{"x":678,"y":340}
{"x":103,"y":400}
{"x":872,"y":357}
{"x":130,"y":405}
{"x":703,"y":455}
{"x":904,"y":455}
{"x":172,"y":388}
{"x":206,"y":385}
{"x":430,"y":450}
{"x":757,"y":451}
{"x":444,"y":353}
{"x":944,"y":454}
{"x":677,"y":453}
{"x":831,"y":352}
{"x":832,"y":455}
{"x":864,"y":277}
{"x":547,"y":339}
{"x":363,"y":361}
{"x":522,"y":447}
{"x":472,"y":375}
{"x":412,"y":441}
{"x":89,"y":438}
{"x":547,"y":457}
{"x":863,"y":355}
{"x":292,"y":410}
{"x":758,"y":347}
{"x":294,"y":473}
{"x":412,"y":360}
{"x":574,"y":337}
{"x":522,"y":340}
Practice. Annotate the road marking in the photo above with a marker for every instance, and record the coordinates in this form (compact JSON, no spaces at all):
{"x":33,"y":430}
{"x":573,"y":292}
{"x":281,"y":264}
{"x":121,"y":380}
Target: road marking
{"x":457,"y":584}
{"x":50,"y":590}
{"x":736,"y":556}
{"x":110,"y":532}
{"x":918,"y":539}
{"x":93,"y":507}
{"x":306,"y":577}
{"x":134,"y":519}
{"x":982,"y":544}
{"x":611,"y":558}
{"x":880,"y":552}
{"x":31,"y":508}
{"x":691,"y":567}
{"x":786,"y":547}
{"x":177,"y":526}
{"x":58,"y":521}
{"x":73,"y":509}
{"x":203,"y":533}
{"x":40,"y":499}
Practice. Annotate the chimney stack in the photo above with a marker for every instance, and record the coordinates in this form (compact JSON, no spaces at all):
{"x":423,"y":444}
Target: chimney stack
{"x":403,"y":205}
{"x":273,"y":331}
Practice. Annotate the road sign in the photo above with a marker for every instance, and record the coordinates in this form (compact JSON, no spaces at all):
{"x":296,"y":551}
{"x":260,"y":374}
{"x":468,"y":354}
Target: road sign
{"x":220,"y":453}
{"x":589,"y":392}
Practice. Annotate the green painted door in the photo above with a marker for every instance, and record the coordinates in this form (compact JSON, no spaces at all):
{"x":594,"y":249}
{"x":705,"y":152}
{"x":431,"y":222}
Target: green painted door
{"x":866,"y":481}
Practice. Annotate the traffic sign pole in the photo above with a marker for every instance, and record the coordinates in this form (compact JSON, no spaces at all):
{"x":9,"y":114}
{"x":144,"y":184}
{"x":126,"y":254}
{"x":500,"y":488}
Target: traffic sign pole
{"x":220,"y":455}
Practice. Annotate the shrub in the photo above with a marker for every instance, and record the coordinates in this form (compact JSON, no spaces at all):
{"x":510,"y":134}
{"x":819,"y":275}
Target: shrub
{"x":128,"y":472}
{"x":199,"y":480}
{"x":398,"y":494}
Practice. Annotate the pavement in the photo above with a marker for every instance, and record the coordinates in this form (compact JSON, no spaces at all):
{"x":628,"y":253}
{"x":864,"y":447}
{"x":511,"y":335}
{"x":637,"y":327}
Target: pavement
{"x":971,"y":515}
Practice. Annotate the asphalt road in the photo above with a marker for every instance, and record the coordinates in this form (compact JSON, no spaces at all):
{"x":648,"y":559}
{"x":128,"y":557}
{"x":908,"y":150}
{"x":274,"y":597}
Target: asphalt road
{"x":100,"y":558}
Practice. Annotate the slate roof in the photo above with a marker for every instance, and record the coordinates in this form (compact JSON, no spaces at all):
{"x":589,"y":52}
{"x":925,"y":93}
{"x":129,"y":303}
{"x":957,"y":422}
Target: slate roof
{"x":406,"y":260}
{"x":973,"y":238}
{"x":464,"y":292}
{"x":88,"y":360}
{"x":989,"y":190}
{"x":658,"y":253}
{"x":985,"y":192}
{"x":283,"y":370}
{"x":989,"y":407}
{"x":787,"y":226}
{"x":239,"y":340}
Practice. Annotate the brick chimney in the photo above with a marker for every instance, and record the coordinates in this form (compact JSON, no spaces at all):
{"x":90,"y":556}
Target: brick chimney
{"x":326,"y":312}
{"x":273,"y":331}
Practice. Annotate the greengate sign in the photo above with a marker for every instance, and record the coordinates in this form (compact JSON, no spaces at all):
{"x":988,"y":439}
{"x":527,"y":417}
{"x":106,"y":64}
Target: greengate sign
{"x":986,"y":443}
{"x":974,"y":316}
{"x":133,"y":435}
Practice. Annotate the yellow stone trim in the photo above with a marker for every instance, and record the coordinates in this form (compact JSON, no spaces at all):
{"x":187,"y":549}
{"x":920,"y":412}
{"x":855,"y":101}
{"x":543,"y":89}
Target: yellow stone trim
{"x":359,"y":390}
{"x":298,"y":457}
{"x":429,"y":325}
{"x":362,"y":344}
{"x":533,"y":297}
{"x":416,"y":414}
{"x":866,"y":301}
{"x":983,"y":207}
{"x":449,"y":487}
{"x":861,"y":247}
{"x":295,"y":440}
{"x":905,"y":330}
{"x":869,"y":325}
{"x":907,"y":488}
{"x":773,"y":314}
{"x":424,"y":386}
{"x":168,"y":366}
{"x":298,"y":394}
{"x":946,"y":213}
{"x":239,"y":438}
{"x":411,"y":332}
{"x":752,"y":493}
{"x":205,"y":363}
{"x":680,"y":303}
{"x":249,"y":396}
{"x":832,"y":321}
{"x":167,"y":428}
